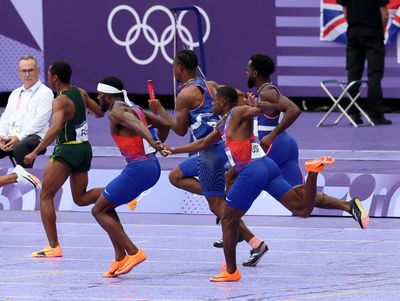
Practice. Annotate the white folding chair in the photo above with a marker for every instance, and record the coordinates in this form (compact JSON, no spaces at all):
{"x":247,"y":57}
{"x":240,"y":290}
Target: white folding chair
{"x":344,"y":87}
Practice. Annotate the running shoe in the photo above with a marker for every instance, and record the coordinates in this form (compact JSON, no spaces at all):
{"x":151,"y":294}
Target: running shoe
{"x":132,"y":205}
{"x":114,"y":266}
{"x":224,"y":276}
{"x":358,"y":213}
{"x":25,"y":177}
{"x":220,"y":243}
{"x":131,"y":261}
{"x":318,"y":165}
{"x":255,"y":255}
{"x":48,"y":252}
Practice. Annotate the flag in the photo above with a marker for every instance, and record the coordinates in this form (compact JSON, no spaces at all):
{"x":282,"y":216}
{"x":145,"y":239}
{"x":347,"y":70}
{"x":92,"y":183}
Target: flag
{"x":393,"y":27}
{"x":334,"y":25}
{"x":333,"y":22}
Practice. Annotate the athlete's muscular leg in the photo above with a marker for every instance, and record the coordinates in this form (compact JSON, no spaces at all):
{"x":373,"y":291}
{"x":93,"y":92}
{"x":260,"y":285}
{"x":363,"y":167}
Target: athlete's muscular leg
{"x":81,"y":197}
{"x":104,"y":213}
{"x":306,"y":198}
{"x":230,"y":224}
{"x":300,"y":200}
{"x":218,"y":206}
{"x":189,"y":184}
{"x":230,"y":178}
{"x":55,"y":175}
{"x":328,"y":202}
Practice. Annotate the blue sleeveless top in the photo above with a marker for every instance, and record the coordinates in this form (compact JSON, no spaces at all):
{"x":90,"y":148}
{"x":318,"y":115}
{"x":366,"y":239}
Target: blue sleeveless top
{"x":266,"y":123}
{"x":202,"y":120}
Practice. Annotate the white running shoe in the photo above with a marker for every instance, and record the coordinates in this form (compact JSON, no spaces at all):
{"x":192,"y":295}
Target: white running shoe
{"x":25,"y":177}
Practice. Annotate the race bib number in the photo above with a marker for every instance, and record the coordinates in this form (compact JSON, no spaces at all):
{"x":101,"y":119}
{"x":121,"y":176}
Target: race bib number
{"x":82,"y":132}
{"x":256,"y":151}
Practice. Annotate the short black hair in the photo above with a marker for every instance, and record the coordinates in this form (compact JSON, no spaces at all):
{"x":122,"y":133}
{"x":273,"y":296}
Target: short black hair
{"x":188,"y":59}
{"x":62,"y":70}
{"x":229,"y":93}
{"x":114,"y":82}
{"x":263,"y":64}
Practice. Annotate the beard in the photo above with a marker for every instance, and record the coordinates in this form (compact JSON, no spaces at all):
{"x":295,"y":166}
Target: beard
{"x":250,"y":82}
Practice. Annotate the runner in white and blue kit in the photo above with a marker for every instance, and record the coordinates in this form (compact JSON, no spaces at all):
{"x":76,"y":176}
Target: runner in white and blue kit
{"x":194,"y":111}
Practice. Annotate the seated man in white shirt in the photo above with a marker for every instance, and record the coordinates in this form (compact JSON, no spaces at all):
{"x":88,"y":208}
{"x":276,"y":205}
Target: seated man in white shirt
{"x":26,"y":117}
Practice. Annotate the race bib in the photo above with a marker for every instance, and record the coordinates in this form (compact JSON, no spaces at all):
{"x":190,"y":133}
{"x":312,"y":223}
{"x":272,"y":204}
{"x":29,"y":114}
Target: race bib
{"x":256,"y":151}
{"x":82,"y":132}
{"x":148,"y":149}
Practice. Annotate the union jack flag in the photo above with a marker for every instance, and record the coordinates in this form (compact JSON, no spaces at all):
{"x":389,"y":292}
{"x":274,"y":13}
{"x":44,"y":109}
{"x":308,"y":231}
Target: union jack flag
{"x":334,"y":25}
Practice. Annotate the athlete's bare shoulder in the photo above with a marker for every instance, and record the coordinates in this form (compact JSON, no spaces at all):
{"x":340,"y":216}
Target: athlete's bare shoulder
{"x":189,"y":97}
{"x":269,"y":94}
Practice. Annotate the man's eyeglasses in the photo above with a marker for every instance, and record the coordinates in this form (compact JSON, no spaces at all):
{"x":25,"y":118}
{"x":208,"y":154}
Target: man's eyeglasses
{"x":29,"y":71}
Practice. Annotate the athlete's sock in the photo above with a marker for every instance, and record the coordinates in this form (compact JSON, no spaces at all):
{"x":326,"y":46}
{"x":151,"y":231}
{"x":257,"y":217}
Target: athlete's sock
{"x":255,"y":242}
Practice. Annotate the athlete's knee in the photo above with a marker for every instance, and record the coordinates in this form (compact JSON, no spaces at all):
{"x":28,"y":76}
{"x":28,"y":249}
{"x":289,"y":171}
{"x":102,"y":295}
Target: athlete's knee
{"x":229,"y":219}
{"x":95,"y":211}
{"x":80,"y":202}
{"x":46,"y":195}
{"x":217,"y":206}
{"x":175,"y":176}
{"x":303,"y":212}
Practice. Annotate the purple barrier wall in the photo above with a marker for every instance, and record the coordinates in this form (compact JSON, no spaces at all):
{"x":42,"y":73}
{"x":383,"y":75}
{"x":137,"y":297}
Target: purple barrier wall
{"x":380,"y":194}
{"x":133,"y":40}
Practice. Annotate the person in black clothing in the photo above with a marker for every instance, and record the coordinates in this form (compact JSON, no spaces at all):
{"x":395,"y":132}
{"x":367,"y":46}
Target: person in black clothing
{"x":366,"y":22}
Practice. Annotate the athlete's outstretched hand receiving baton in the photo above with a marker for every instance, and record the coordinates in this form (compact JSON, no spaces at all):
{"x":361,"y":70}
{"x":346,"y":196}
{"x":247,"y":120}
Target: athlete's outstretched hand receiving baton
{"x":166,"y":151}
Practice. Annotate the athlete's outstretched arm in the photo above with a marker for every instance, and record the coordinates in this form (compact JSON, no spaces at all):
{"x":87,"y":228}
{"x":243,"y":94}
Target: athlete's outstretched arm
{"x":199,"y":145}
{"x":58,"y":117}
{"x":160,"y":124}
{"x":91,"y":105}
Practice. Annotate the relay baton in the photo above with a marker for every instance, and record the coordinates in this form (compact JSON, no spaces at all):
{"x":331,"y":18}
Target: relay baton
{"x":150,"y":87}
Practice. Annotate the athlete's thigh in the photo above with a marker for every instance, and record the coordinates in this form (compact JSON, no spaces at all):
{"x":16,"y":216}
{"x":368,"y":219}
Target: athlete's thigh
{"x":211,"y":170}
{"x":55,"y":175}
{"x":78,"y":182}
{"x":102,"y":205}
{"x":248,"y":186}
{"x":292,"y":173}
{"x":188,"y":167}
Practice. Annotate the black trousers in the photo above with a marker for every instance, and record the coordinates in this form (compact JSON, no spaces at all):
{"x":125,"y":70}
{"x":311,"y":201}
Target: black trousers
{"x":371,"y":49}
{"x":22,"y":148}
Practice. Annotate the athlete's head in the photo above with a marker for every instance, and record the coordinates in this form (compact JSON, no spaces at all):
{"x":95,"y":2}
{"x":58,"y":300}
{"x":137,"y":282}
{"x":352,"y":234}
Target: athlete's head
{"x":28,"y":70}
{"x":59,"y":72}
{"x":108,"y":87}
{"x":185,"y":63}
{"x":261,"y":66}
{"x":224,"y":99}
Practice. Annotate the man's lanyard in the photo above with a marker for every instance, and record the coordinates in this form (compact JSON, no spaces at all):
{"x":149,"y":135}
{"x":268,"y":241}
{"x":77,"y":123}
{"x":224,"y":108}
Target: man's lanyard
{"x":30,"y":97}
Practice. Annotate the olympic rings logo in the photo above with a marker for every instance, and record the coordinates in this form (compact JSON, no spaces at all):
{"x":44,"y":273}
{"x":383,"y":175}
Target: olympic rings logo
{"x":150,"y":34}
